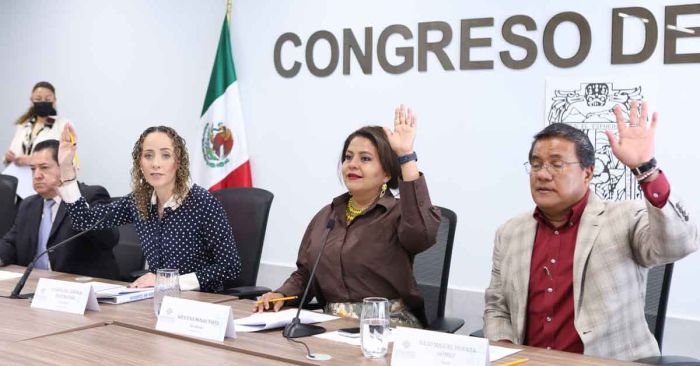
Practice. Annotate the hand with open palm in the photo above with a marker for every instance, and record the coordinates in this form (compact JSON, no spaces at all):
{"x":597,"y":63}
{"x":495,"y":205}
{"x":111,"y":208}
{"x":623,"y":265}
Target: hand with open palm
{"x":401,"y":139}
{"x":404,"y":134}
{"x":634,"y":145}
{"x":66,"y":152}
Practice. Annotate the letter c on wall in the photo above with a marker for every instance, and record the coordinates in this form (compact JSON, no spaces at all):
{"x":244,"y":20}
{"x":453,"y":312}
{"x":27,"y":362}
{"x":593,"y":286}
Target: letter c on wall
{"x":296,"y":41}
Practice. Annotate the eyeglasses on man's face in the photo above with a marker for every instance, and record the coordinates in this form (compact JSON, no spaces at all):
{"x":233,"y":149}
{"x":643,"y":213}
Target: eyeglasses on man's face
{"x":554,"y":167}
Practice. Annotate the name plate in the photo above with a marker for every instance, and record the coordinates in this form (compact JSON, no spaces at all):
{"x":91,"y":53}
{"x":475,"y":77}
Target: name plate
{"x":422,"y":347}
{"x":196,"y":319}
{"x":65,"y":296}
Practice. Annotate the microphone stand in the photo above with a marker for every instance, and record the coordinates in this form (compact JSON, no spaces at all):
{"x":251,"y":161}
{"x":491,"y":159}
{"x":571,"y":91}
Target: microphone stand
{"x":295,"y":328}
{"x":20,"y":284}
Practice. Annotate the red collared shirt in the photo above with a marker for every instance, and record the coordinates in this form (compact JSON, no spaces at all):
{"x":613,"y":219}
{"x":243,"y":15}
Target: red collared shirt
{"x":550,"y":311}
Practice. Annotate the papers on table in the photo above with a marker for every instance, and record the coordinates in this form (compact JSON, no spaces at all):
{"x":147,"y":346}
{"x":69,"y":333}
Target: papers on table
{"x":497,"y":353}
{"x":117,"y":294}
{"x":336,"y":337}
{"x":271,"y":319}
{"x":102,"y":286}
{"x":7,"y":275}
{"x":24,"y":179}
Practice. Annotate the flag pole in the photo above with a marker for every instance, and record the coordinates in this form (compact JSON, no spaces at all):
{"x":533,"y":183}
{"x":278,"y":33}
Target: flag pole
{"x":228,"y":11}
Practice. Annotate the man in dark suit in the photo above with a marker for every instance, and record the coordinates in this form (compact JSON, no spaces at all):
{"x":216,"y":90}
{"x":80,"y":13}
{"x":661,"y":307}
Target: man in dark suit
{"x":42,"y":222}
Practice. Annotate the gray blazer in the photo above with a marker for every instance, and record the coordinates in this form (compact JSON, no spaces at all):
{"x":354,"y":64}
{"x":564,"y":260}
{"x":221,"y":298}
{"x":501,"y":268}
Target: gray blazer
{"x":616,"y":244}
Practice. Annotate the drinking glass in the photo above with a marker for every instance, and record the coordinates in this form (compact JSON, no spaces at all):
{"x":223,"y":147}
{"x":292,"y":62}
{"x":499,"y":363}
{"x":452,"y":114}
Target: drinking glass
{"x":374,"y":327}
{"x":167,"y":284}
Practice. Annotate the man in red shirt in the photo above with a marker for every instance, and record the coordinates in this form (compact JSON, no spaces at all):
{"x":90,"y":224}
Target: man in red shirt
{"x":571,"y":275}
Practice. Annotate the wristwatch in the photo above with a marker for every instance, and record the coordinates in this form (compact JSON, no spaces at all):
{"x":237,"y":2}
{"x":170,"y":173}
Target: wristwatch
{"x":644,"y":168}
{"x":406,"y":158}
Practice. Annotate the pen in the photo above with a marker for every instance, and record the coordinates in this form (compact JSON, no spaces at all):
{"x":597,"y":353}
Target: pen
{"x":278,"y":299}
{"x":515,"y":362}
{"x":76,"y":161}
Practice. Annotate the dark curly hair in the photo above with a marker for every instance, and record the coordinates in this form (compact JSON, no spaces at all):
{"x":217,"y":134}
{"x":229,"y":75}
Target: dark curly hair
{"x":142,"y":191}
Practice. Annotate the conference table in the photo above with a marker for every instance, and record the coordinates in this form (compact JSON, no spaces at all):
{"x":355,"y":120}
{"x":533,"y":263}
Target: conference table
{"x":125,"y":334}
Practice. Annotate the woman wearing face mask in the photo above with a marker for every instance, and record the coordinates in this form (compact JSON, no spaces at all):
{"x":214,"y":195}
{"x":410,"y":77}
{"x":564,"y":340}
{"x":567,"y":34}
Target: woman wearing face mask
{"x":180,"y":225}
{"x":370,"y":250}
{"x":38,"y":124}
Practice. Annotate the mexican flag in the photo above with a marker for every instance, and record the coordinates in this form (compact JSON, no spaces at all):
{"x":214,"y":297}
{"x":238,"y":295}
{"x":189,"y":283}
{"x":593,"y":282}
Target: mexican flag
{"x":224,"y":161}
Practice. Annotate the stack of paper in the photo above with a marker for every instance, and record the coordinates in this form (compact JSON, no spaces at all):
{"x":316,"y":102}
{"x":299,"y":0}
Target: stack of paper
{"x":117,"y":294}
{"x":271,"y":319}
{"x":495,"y":352}
{"x":337,"y":337}
{"x":7,"y":275}
{"x":24,"y":179}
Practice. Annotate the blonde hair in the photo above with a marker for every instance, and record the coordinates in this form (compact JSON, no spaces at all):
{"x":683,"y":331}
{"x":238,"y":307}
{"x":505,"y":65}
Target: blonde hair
{"x":141,"y":190}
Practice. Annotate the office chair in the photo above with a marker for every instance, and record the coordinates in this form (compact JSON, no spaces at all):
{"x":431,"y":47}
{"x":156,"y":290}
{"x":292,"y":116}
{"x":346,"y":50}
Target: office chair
{"x":432,"y":271}
{"x":8,"y":209}
{"x":431,"y":268}
{"x":128,"y":253}
{"x":247,"y":210}
{"x":658,"y":289}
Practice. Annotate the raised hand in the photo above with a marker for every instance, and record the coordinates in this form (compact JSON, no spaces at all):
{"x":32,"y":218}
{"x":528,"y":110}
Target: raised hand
{"x":404,"y":134}
{"x":635,"y":144}
{"x":66,"y":152}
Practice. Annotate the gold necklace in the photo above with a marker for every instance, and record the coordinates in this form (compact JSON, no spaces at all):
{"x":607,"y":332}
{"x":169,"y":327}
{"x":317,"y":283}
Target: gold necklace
{"x":351,"y":212}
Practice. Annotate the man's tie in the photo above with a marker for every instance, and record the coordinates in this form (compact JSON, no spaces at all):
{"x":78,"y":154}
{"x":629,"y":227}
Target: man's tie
{"x":44,"y":231}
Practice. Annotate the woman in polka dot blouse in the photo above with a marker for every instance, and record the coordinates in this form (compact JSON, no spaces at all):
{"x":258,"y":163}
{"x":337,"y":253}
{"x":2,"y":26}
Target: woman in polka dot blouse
{"x":180,"y":225}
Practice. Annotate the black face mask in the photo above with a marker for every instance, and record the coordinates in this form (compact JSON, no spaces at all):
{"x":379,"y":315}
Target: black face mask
{"x":44,"y":109}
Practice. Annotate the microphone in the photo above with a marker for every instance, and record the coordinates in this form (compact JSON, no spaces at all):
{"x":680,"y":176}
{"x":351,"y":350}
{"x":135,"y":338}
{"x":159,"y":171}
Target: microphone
{"x":296,"y":329}
{"x":20,"y":284}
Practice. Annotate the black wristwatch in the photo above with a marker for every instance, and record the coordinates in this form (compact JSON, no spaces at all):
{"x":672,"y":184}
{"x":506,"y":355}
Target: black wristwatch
{"x":644,"y":168}
{"x":406,"y":158}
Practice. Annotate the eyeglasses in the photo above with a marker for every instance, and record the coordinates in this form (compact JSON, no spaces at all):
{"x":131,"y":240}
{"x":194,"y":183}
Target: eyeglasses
{"x":555,"y":167}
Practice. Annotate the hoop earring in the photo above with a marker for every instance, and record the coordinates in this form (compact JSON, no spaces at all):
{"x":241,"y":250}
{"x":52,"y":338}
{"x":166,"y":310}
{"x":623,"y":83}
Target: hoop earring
{"x":383,"y":191}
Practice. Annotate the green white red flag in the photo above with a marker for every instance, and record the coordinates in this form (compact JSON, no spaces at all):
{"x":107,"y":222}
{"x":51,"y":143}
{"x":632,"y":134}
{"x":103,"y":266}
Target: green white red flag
{"x":224,"y":161}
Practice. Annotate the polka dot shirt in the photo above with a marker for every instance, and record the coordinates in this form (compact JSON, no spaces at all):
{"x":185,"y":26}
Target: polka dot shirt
{"x":194,"y":237}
